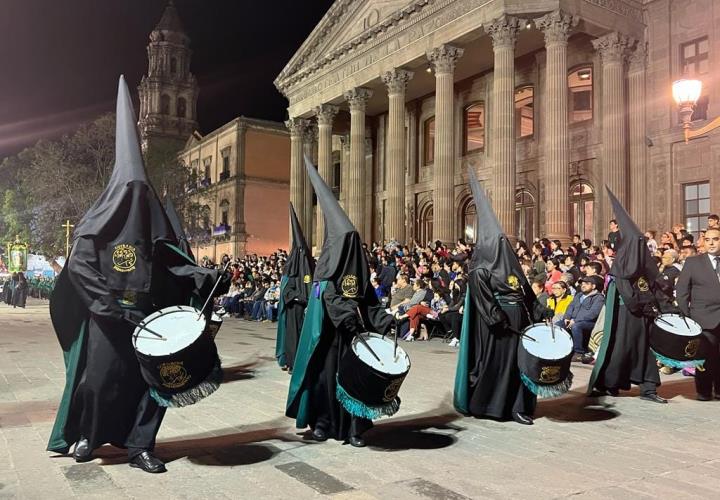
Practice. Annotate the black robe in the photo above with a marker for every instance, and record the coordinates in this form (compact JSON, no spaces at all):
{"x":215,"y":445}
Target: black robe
{"x":294,"y":297}
{"x":341,"y":323}
{"x":499,"y":312}
{"x":629,"y":359}
{"x":19,"y":296}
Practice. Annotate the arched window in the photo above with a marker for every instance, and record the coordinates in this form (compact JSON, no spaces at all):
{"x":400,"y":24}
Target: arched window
{"x":525,"y":215}
{"x":205,"y":209}
{"x":425,"y":224}
{"x":429,"y":141}
{"x":181,"y":107}
{"x":474,"y":126}
{"x":524,"y":113}
{"x":224,"y":212}
{"x":582,"y":209}
{"x":173,"y":65}
{"x":468,"y":220}
{"x":165,"y":104}
{"x":580,"y":92}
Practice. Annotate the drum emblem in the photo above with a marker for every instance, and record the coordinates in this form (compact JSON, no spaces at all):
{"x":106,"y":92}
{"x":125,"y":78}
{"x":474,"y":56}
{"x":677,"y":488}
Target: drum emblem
{"x":124,"y":258}
{"x":513,"y":282}
{"x":392,"y":389}
{"x":349,"y":286}
{"x":643,"y":284}
{"x":691,"y":348}
{"x":550,"y":374}
{"x":173,"y":374}
{"x":306,"y":278}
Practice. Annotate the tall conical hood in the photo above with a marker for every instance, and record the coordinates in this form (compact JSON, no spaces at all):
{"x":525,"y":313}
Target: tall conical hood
{"x":492,"y":248}
{"x":342,"y":258}
{"x":300,"y":262}
{"x":633,"y":258}
{"x":176,"y":224}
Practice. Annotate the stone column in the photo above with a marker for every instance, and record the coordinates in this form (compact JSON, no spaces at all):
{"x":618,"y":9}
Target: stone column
{"x":325,"y":114}
{"x":344,"y":167}
{"x":309,"y":150}
{"x":396,"y":81}
{"x":612,"y":48}
{"x":554,"y":174}
{"x":443,"y":61}
{"x":357,"y":98}
{"x":502,"y":147}
{"x":638,"y":149}
{"x":297,"y":168}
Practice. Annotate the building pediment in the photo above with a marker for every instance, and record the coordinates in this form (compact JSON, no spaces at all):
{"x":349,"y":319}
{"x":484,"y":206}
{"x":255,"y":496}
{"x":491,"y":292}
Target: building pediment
{"x":346,"y":24}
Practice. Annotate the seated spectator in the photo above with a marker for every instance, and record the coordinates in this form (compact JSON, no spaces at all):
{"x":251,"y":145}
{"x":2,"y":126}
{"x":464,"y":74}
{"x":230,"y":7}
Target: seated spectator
{"x":582,"y":313}
{"x":451,"y":314}
{"x":538,"y":286}
{"x":272,"y":296}
{"x":379,"y":291}
{"x":553,"y":272}
{"x":258,"y":301}
{"x":401,"y":294}
{"x":559,"y":300}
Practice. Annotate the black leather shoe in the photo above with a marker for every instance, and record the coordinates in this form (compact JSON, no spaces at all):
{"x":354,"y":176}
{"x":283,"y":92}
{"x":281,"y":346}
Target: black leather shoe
{"x":319,"y":434}
{"x":613,"y":392}
{"x":654,"y":398}
{"x":703,"y":397}
{"x":82,"y":452}
{"x":523,"y":419}
{"x":148,"y":462}
{"x":357,"y":441}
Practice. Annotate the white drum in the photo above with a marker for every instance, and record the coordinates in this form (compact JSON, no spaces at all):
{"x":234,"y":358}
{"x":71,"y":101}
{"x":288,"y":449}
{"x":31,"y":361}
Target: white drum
{"x":544,"y":358}
{"x":676,"y":341}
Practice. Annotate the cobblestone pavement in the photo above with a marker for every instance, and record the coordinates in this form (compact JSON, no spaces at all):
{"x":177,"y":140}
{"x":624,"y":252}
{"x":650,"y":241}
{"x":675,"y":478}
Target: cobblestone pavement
{"x":238,"y":444}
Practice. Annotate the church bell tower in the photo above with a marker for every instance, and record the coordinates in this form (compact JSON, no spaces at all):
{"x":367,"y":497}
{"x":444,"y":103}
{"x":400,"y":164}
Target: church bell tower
{"x":169,"y":92}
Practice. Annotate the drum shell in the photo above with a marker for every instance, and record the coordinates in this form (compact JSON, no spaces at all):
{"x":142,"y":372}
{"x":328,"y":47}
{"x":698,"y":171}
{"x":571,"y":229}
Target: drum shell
{"x":365,"y":383}
{"x":213,"y":326}
{"x":543,"y":371}
{"x":182,"y":370}
{"x":673,"y":346}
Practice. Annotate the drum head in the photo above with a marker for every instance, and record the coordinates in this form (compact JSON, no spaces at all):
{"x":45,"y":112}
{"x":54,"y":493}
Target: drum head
{"x":544,"y":346}
{"x":178,"y":324}
{"x":383,"y":347}
{"x":679,"y":325}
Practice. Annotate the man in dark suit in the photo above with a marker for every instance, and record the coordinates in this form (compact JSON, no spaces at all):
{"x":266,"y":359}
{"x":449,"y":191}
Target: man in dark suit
{"x":698,"y":296}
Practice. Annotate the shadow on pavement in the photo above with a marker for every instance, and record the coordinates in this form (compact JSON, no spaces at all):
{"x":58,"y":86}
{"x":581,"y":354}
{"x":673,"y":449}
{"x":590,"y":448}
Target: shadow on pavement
{"x":243,"y":371}
{"x":576,"y":407}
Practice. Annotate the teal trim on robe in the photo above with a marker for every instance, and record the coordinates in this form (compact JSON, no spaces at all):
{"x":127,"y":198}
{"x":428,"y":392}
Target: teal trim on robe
{"x":612,"y":300}
{"x":73,"y":372}
{"x":462,"y":372}
{"x":298,"y":402}
{"x":183,"y":254}
{"x":280,"y":339}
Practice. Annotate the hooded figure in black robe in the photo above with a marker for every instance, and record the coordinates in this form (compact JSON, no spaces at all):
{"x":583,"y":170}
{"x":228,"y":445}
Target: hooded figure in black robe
{"x":294,"y":292}
{"x":499,"y":304}
{"x":342,"y":304}
{"x":176,"y":224}
{"x":624,"y":356}
{"x":124,"y":264}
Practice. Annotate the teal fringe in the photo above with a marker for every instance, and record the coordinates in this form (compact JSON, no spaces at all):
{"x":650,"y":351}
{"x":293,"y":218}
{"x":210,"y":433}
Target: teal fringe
{"x":548,"y":391}
{"x":193,"y":395}
{"x":359,"y":409}
{"x":674,"y":363}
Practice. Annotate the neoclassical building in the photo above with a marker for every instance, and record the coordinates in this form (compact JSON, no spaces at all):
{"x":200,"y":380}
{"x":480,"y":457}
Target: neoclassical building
{"x":548,"y":100}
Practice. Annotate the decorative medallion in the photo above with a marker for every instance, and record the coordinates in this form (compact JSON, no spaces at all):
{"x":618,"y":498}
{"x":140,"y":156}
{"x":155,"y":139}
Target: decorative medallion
{"x":691,"y":349}
{"x":550,"y":374}
{"x":349,"y":286}
{"x":124,"y":258}
{"x":173,"y":374}
{"x":306,"y":278}
{"x":513,"y":282}
{"x":642,"y":284}
{"x":391,"y":391}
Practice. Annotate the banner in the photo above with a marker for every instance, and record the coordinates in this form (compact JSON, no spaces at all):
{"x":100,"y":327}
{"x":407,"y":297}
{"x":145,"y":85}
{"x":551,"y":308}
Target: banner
{"x":17,"y":257}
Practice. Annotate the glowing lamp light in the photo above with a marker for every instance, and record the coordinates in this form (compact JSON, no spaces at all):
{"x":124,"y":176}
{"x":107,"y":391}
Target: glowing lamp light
{"x":686,"y":92}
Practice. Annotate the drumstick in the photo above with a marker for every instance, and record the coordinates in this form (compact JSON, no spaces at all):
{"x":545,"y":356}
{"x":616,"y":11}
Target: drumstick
{"x":213,"y":290}
{"x":143,"y":327}
{"x":552,"y":330}
{"x":364,"y":342}
{"x":658,"y":318}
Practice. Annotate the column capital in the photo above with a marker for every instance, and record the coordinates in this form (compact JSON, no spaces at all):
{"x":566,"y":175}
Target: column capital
{"x":444,"y":57}
{"x":311,"y":132}
{"x":325,"y":113}
{"x":613,"y":47}
{"x":638,"y":59}
{"x":358,"y":98}
{"x":396,"y":80}
{"x":296,"y":126}
{"x":503,"y":31}
{"x":556,"y":26}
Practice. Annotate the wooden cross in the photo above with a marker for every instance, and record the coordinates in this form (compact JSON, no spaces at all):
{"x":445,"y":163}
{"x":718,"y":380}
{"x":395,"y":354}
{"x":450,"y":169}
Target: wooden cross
{"x":67,"y":227}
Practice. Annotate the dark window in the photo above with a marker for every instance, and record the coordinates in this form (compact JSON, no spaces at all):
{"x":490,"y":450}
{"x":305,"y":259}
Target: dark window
{"x":173,"y":65}
{"x":469,"y":221}
{"x":525,"y":215}
{"x":336,"y":180}
{"x":524,"y":113}
{"x":580,"y":87}
{"x":474,"y":125}
{"x":582,"y":208}
{"x":425,"y":223}
{"x":429,"y":141}
{"x":165,"y":104}
{"x":695,"y":62}
{"x":696,"y":199}
{"x":181,"y":107}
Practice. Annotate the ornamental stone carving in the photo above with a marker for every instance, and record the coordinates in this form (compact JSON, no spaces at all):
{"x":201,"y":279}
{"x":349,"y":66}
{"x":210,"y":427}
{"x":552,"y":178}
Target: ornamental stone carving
{"x":296,"y":126}
{"x":358,"y":98}
{"x":325,"y":113}
{"x":443,"y":58}
{"x":556,"y":26}
{"x":504,"y":30}
{"x":613,"y":47}
{"x":396,"y":80}
{"x":638,"y":59}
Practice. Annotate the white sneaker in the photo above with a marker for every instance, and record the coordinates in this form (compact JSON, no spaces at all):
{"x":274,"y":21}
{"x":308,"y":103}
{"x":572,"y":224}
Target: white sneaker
{"x":454,"y":342}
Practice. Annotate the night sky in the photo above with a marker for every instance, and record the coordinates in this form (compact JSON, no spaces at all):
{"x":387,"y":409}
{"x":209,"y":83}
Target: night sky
{"x":61,"y":59}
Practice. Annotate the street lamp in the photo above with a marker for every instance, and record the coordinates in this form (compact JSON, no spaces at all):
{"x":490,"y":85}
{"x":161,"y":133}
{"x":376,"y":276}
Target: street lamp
{"x":686,"y":93}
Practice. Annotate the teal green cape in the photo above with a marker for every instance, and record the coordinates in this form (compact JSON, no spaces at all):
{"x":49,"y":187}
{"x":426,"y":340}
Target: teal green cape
{"x":462,"y":372}
{"x":298,"y":402}
{"x":280,"y":339}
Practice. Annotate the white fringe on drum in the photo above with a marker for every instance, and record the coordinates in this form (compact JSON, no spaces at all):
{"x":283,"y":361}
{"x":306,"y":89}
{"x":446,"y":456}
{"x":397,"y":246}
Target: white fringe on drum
{"x":192,"y":395}
{"x":548,"y":391}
